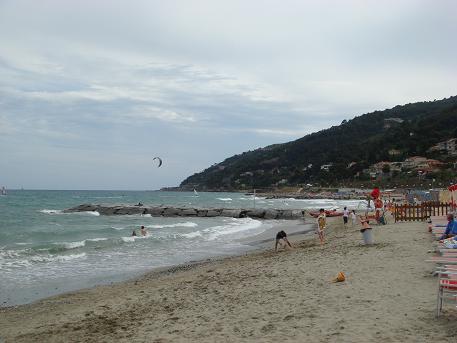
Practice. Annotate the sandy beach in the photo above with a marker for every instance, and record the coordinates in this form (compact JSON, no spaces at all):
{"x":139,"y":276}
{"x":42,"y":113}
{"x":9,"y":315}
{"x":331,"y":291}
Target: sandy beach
{"x":389,"y":296}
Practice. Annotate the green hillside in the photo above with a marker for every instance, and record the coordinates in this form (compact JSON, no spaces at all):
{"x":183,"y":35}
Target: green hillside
{"x":409,"y":129}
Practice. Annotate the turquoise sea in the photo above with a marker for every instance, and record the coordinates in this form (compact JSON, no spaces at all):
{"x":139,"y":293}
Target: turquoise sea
{"x":45,"y":252}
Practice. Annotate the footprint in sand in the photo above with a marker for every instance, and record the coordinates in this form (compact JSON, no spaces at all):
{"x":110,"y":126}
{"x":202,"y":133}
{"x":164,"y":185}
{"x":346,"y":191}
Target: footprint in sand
{"x":267,"y":328}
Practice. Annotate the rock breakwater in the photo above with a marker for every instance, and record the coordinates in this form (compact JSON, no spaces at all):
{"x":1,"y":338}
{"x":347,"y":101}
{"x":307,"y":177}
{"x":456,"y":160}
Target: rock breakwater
{"x":170,"y":211}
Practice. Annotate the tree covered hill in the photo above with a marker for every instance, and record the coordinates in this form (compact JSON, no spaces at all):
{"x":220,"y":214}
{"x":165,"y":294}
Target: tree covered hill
{"x":389,"y":135}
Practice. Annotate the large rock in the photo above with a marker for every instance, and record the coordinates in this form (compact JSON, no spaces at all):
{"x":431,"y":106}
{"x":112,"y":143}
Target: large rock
{"x":154,"y":211}
{"x":82,"y":208}
{"x":129,"y":210}
{"x":290,"y":214}
{"x":202,"y":212}
{"x":297,"y":214}
{"x":232,"y":213}
{"x":213,"y":213}
{"x":256,"y":213}
{"x":271,"y":214}
{"x":171,"y":212}
{"x":107,"y":210}
{"x":188,"y":212}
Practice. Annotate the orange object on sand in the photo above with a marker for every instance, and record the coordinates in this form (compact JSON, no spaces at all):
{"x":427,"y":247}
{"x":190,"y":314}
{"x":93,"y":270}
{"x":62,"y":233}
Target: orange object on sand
{"x":340,"y":278}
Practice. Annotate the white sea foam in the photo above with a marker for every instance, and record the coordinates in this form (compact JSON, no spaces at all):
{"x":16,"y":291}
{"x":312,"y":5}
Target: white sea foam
{"x":69,"y":257}
{"x":46,"y":211}
{"x":128,"y":239}
{"x":92,"y":213}
{"x":14,"y":264}
{"x":224,"y":199}
{"x":118,"y":228}
{"x":148,"y":215}
{"x":97,"y":239}
{"x":9,"y":254}
{"x":236,"y":226}
{"x":73,"y":245}
{"x":58,"y":258}
{"x":185,"y":224}
{"x":192,"y":234}
{"x":252,"y":198}
{"x":29,"y":261}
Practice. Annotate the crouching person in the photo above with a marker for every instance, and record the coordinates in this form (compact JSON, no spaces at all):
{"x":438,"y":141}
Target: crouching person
{"x":281,"y":235}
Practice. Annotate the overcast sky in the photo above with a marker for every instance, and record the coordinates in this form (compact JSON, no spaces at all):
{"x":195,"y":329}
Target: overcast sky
{"x":91,"y":91}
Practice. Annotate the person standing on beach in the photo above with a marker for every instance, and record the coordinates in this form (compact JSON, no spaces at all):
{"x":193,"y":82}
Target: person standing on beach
{"x":353,"y":218}
{"x":321,"y":224}
{"x":345,"y":216}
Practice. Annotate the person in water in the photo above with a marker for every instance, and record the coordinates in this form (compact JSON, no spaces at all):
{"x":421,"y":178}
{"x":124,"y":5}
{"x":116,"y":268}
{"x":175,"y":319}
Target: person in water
{"x":281,"y":235}
{"x":133,"y":233}
{"x":143,"y":231}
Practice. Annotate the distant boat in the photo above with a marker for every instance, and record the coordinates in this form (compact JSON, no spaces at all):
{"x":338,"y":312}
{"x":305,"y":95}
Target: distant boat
{"x":195,"y":193}
{"x":3,"y":192}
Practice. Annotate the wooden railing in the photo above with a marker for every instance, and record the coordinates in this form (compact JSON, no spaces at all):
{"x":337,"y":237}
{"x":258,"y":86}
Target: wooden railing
{"x":420,"y":212}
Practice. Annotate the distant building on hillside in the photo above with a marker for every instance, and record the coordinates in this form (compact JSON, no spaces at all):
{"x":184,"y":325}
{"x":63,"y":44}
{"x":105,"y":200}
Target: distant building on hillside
{"x":377,"y":167}
{"x":413,"y":162}
{"x":434,"y":163}
{"x":396,"y":166}
{"x":449,"y":147}
{"x":394,"y":152}
{"x":389,"y":122}
{"x":309,"y":166}
{"x":326,"y":167}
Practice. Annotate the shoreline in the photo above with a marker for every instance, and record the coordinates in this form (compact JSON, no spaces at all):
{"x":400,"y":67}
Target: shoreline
{"x":256,"y":243}
{"x":389,"y":295}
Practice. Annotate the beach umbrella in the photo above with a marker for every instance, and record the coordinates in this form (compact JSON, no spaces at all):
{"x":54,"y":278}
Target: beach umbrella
{"x":375,"y":193}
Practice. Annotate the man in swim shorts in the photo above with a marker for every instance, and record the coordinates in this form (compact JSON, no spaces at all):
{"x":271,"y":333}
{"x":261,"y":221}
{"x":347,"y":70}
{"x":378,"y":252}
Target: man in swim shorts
{"x":281,"y":235}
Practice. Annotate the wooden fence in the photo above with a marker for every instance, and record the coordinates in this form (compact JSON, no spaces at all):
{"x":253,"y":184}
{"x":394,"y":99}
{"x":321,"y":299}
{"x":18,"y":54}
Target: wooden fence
{"x":420,"y":212}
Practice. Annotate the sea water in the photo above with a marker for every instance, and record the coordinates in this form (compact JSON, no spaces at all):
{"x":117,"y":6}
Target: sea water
{"x":44,"y":251}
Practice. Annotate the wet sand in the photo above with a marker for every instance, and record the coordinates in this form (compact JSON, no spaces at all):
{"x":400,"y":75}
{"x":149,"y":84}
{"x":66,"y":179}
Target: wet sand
{"x":389,"y":296}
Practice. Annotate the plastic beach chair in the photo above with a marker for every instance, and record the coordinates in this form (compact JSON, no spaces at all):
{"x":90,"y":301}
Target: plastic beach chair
{"x":447,"y":287}
{"x":443,"y":260}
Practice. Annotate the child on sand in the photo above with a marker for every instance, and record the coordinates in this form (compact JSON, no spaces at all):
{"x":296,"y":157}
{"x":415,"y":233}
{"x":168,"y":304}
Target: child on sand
{"x":321,"y":223}
{"x":365,"y":223}
{"x":281,"y":235}
{"x":353,"y":218}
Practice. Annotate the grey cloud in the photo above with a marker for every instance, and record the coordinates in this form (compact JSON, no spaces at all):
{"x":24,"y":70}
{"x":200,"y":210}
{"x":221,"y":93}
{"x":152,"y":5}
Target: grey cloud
{"x":124,"y":79}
